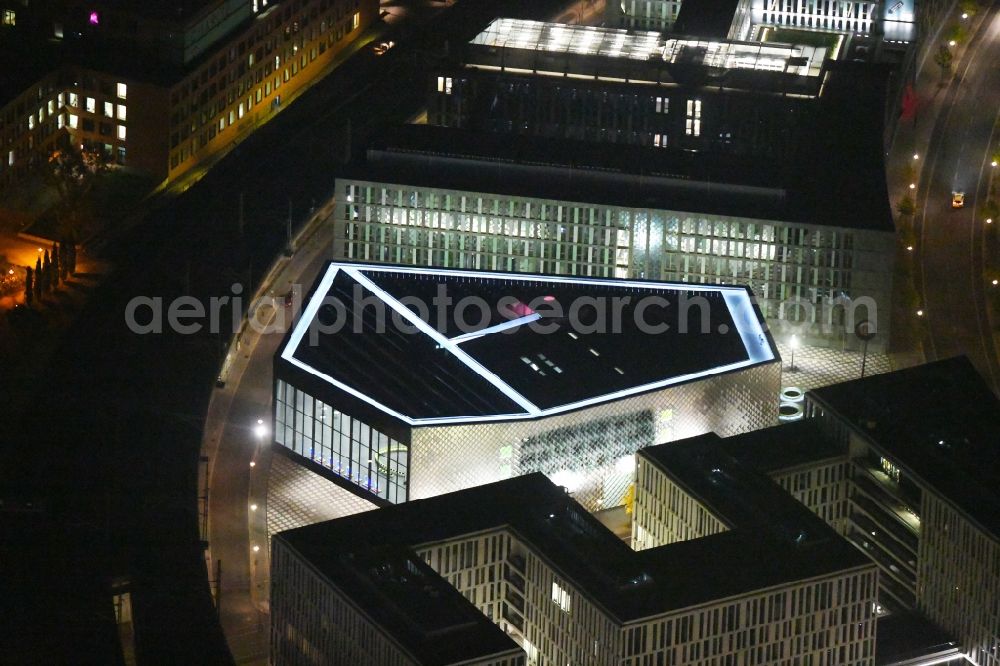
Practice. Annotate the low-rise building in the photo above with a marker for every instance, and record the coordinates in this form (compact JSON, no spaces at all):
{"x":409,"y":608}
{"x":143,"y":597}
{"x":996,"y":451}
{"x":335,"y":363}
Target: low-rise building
{"x":401,"y":383}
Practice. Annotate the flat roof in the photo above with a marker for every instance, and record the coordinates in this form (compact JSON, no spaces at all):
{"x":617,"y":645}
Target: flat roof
{"x":782,"y":446}
{"x":529,"y":345}
{"x":706,"y":18}
{"x":632,"y":176}
{"x":938,"y":422}
{"x":646,"y":46}
{"x":629,"y":585}
{"x":736,"y":493}
{"x":908,"y":635}
{"x":407,"y":599}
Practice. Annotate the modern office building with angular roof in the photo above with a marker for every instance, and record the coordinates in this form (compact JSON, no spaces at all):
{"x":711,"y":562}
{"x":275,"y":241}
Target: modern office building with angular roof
{"x":400,"y":383}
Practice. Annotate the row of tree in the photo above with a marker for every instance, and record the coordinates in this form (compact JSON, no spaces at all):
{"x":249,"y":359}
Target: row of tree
{"x":50,"y":269}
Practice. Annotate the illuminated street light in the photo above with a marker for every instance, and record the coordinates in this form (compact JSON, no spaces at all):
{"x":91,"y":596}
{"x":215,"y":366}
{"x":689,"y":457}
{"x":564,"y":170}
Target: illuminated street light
{"x":965,"y":15}
{"x":989,"y":220}
{"x":913,"y":186}
{"x":909,"y":248}
{"x":256,"y":548}
{"x":995,"y":282}
{"x":993,"y":163}
{"x":951,"y":43}
{"x":253,"y":463}
{"x":916,"y":156}
{"x":253,"y":507}
{"x":260,"y":429}
{"x":920,"y":313}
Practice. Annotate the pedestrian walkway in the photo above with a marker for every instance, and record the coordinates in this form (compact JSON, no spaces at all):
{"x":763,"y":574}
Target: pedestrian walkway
{"x":815,"y":367}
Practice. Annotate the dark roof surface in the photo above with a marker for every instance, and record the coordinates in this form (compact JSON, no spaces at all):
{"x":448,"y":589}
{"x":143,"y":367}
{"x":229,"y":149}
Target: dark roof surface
{"x":839,"y":183}
{"x":407,"y":599}
{"x":908,"y":635}
{"x":939,"y":421}
{"x":782,"y":446}
{"x":705,"y":18}
{"x":628,"y":584}
{"x":545,"y":343}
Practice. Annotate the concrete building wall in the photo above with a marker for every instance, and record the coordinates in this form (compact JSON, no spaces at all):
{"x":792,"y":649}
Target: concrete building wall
{"x":813,"y":281}
{"x":958,"y":579}
{"x":822,"y":487}
{"x":597,"y":470}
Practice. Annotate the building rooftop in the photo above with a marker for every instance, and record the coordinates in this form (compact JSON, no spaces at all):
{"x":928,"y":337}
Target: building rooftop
{"x":737,"y":494}
{"x":649,"y":47}
{"x":906,"y":636}
{"x":783,"y":446}
{"x":938,"y":422}
{"x":529,"y":345}
{"x":628,"y":585}
{"x":631,"y":176}
{"x":405,"y":597}
{"x":706,"y":18}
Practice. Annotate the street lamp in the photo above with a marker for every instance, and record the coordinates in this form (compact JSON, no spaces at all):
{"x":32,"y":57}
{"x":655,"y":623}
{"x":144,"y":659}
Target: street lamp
{"x":909,"y":248}
{"x":993,"y":163}
{"x":920,"y":313}
{"x":794,"y":344}
{"x":989,"y":220}
{"x":913,"y":186}
{"x":260,"y":429}
{"x":916,"y":156}
{"x":951,"y":43}
{"x":965,"y":15}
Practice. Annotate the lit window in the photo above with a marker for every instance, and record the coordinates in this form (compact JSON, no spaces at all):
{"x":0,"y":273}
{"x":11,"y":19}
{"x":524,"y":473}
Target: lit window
{"x":121,"y":132}
{"x":41,"y":114}
{"x":355,"y":21}
{"x":662,"y":104}
{"x":73,"y":120}
{"x":91,"y":105}
{"x":10,"y":158}
{"x":254,"y":7}
{"x":560,"y":597}
{"x":61,"y":99}
{"x":9,"y":17}
{"x":122,"y":91}
{"x":444,"y":84}
{"x":693,"y":124}
{"x":239,"y":112}
{"x":121,"y":112}
{"x":109,"y":110}
{"x":74,"y":99}
{"x":31,"y":122}
{"x":59,"y":121}
{"x":222,"y":124}
{"x":250,"y":60}
{"x":660,"y":140}
{"x":232,"y":118}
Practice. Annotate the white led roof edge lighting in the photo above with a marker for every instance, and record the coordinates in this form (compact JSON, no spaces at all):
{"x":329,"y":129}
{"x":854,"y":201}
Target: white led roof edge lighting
{"x":513,"y":323}
{"x":737,"y":300}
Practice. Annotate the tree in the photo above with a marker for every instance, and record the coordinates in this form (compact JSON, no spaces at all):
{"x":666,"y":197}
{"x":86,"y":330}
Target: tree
{"x":64,"y":260}
{"x":56,"y":268}
{"x":943,"y":59}
{"x":29,"y":285}
{"x":39,"y":277}
{"x":47,"y":285}
{"x":72,"y":173}
{"x":906,"y":207}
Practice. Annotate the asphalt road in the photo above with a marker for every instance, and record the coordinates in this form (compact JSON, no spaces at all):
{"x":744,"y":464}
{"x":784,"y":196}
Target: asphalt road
{"x":951,"y":240}
{"x":111,"y":444}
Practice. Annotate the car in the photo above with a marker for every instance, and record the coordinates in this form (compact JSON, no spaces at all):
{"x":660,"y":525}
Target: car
{"x":957,"y":199}
{"x":382,"y":47}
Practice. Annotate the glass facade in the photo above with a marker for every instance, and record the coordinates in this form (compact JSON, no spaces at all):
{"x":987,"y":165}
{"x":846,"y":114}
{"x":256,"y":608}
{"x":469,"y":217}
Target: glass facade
{"x":344,"y":445}
{"x":812,"y":277}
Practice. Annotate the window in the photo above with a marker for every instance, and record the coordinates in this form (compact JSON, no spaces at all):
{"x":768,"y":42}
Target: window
{"x":560,"y":597}
{"x":109,"y":110}
{"x":121,"y":112}
{"x":444,"y":84}
{"x":662,"y":104}
{"x":73,"y":120}
{"x":355,"y":21}
{"x":693,"y":123}
{"x":10,"y":158}
{"x":122,"y":91}
{"x":31,"y":122}
{"x":121,"y":132}
{"x":91,"y":105}
{"x":74,"y":99}
{"x":660,"y":140}
{"x":9,"y":17}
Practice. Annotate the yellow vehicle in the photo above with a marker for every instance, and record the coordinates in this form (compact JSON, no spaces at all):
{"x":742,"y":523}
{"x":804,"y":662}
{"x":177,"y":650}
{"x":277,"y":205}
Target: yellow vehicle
{"x":957,"y":199}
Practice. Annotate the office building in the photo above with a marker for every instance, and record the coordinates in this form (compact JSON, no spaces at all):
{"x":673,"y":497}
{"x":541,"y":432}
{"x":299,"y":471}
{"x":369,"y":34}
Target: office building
{"x":157,"y":91}
{"x":815,"y":244}
{"x":402,"y":383}
{"x":923,"y":449}
{"x":567,"y":590}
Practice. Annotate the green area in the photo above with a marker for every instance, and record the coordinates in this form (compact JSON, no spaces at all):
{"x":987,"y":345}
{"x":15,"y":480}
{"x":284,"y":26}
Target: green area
{"x":827,"y":40}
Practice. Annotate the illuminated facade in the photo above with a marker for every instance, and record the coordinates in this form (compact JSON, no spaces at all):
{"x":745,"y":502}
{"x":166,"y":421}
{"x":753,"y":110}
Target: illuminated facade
{"x":533,"y":386}
{"x":219,"y":91}
{"x":922,"y":492}
{"x":812,"y":280}
{"x":528,"y":558}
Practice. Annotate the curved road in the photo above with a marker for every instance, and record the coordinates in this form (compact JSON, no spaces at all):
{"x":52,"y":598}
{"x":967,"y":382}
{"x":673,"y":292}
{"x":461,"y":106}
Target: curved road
{"x":958,"y":159}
